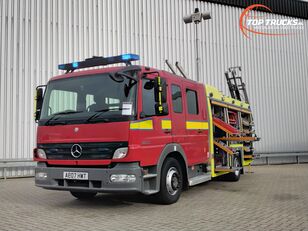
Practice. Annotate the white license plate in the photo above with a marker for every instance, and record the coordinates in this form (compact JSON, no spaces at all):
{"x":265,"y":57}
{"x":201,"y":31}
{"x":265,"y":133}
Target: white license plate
{"x":75,"y":175}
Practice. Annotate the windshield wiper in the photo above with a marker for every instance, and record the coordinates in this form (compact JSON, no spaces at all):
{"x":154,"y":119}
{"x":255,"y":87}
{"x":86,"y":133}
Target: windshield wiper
{"x":48,"y":122}
{"x":100,"y":112}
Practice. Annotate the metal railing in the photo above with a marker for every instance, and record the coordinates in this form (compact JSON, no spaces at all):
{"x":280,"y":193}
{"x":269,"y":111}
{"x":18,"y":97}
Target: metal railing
{"x":20,"y":163}
{"x":283,"y":156}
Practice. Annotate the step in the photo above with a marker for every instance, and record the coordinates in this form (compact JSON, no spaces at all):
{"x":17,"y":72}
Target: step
{"x":148,"y":176}
{"x":226,"y":169}
{"x":200,"y":179}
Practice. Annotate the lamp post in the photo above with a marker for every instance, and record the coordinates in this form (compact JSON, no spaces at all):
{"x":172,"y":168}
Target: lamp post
{"x":196,"y":18}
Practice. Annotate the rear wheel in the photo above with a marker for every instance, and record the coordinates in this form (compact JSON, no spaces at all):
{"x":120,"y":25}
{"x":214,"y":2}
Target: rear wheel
{"x":235,"y":176}
{"x":171,"y":182}
{"x":83,"y":195}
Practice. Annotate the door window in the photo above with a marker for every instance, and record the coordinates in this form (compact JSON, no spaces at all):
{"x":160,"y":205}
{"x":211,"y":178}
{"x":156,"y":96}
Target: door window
{"x":176,"y":99}
{"x":192,"y":102}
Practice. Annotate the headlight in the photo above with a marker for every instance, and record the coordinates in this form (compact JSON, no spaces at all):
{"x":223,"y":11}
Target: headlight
{"x":40,"y":153}
{"x":120,"y":153}
{"x":122,"y":178}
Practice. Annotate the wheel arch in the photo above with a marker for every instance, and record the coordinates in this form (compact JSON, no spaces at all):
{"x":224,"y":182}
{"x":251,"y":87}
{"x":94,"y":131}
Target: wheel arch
{"x":176,"y":151}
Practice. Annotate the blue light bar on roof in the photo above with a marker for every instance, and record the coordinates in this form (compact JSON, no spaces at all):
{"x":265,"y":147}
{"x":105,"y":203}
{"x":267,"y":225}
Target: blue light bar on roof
{"x":99,"y":61}
{"x":130,"y":57}
{"x":75,"y":64}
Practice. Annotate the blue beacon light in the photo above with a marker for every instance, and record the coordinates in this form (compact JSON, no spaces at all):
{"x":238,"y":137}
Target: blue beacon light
{"x":99,"y":61}
{"x":75,"y":65}
{"x":130,"y":57}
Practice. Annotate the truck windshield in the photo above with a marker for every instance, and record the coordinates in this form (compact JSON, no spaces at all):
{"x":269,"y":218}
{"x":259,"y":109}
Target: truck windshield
{"x":107,"y":97}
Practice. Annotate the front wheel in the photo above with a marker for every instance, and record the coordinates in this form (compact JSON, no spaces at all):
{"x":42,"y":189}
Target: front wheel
{"x":83,"y":195}
{"x":171,"y":182}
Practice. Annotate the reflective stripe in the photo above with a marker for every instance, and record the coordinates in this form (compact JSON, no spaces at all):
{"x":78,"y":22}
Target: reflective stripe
{"x":166,"y":124}
{"x":141,"y":125}
{"x":193,"y":125}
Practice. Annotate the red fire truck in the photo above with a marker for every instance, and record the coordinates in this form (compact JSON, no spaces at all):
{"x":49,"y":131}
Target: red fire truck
{"x":133,"y":128}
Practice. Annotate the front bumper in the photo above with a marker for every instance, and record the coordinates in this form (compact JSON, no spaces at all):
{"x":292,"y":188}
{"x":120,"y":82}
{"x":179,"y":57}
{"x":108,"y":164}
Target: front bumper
{"x":98,"y":179}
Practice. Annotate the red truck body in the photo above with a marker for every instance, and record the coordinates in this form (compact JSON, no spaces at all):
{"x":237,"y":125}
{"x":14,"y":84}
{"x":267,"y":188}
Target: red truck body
{"x":165,"y":152}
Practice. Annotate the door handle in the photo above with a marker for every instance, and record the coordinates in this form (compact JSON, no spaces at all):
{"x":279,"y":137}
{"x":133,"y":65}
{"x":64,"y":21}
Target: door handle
{"x":200,"y":131}
{"x":167,"y":131}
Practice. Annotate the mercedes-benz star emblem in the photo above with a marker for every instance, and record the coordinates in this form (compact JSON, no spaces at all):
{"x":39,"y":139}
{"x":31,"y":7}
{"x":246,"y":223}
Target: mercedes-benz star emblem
{"x":76,"y":151}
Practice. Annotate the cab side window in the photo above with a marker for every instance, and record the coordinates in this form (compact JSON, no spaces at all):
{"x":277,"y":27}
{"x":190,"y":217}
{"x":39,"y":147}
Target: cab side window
{"x":192,"y":102}
{"x":176,"y":99}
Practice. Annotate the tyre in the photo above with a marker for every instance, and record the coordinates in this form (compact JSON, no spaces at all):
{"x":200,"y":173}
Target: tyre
{"x":235,"y":176}
{"x":83,"y":195}
{"x":171,"y":182}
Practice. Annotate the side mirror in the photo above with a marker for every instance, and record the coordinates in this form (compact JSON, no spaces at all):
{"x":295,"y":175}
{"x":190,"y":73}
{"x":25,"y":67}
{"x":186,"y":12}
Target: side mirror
{"x":160,"y":91}
{"x":38,"y":102}
{"x":161,"y":109}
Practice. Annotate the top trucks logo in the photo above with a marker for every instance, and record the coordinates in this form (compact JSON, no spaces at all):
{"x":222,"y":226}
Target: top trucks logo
{"x":76,"y":151}
{"x":250,"y":21}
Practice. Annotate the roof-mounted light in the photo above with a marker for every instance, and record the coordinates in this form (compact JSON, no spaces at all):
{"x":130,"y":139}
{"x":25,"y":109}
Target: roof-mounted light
{"x":99,"y":61}
{"x":75,"y":64}
{"x":130,"y":57}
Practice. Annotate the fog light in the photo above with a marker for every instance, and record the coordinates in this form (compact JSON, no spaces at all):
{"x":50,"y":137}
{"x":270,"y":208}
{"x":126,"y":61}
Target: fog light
{"x":41,"y":175}
{"x":122,"y":178}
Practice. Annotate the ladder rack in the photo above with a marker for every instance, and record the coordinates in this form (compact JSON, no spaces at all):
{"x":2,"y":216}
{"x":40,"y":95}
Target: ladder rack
{"x":235,"y":83}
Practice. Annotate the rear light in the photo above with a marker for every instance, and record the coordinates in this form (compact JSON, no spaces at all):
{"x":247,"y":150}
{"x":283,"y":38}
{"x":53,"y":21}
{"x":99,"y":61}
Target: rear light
{"x":39,"y":153}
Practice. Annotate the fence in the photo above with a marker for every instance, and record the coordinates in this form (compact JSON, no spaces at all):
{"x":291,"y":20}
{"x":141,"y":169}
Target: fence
{"x":281,"y":158}
{"x":17,"y":168}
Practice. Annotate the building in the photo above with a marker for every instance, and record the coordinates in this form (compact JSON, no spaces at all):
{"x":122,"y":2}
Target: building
{"x":38,"y":35}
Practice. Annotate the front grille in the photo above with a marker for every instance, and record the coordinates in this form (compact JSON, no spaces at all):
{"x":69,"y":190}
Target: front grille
{"x":90,"y":151}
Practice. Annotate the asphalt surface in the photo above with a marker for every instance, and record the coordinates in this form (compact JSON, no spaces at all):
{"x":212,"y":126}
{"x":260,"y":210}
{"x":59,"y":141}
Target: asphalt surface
{"x":270,"y":198}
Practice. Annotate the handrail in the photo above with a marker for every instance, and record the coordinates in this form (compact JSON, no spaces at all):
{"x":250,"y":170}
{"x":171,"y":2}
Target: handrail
{"x":268,"y":155}
{"x":10,"y":163}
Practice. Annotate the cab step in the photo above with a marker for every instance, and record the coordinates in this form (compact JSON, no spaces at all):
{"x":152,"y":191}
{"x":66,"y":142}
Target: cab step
{"x":147,"y":176}
{"x":226,"y":169}
{"x":199,"y":179}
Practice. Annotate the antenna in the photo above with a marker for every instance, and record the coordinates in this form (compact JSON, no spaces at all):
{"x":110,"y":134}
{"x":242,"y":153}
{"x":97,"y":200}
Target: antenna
{"x":170,"y":66}
{"x":180,"y":68}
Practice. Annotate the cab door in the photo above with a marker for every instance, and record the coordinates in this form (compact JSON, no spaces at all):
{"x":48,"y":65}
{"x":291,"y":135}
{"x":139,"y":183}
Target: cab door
{"x":177,"y":111}
{"x":150,"y":132}
{"x":196,"y":123}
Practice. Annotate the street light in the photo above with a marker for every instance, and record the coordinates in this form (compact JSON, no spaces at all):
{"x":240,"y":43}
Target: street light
{"x":196,"y":18}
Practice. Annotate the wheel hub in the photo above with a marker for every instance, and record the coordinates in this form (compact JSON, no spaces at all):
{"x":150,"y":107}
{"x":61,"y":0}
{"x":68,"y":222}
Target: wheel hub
{"x":172,"y":181}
